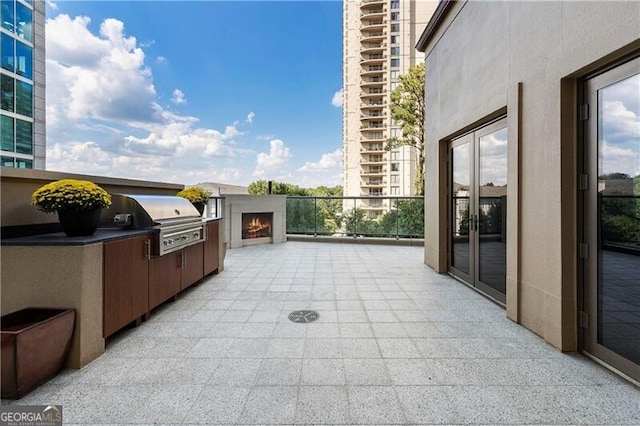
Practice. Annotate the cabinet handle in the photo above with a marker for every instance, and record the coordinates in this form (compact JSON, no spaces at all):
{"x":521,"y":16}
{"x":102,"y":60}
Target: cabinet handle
{"x":147,"y":249}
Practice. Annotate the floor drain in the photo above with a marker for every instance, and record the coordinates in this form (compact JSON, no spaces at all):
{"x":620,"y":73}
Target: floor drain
{"x":303,"y":316}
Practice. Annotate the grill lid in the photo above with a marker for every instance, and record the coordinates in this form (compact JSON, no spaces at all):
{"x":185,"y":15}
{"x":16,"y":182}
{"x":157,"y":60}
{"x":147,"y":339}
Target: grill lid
{"x":149,"y":210}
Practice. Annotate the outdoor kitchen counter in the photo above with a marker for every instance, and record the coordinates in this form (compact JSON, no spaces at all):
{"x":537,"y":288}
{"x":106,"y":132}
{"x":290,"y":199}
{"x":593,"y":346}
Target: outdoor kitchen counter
{"x":53,"y":270}
{"x":102,"y":235}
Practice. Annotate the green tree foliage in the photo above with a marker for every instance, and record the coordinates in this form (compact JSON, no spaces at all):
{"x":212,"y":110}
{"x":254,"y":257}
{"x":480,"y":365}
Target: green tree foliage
{"x":620,"y":215}
{"x":407,"y":220}
{"x":411,"y":218}
{"x":407,"y":109}
{"x":261,"y":187}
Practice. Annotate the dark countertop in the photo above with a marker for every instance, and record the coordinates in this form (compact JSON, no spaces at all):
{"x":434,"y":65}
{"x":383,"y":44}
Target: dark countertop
{"x":60,"y":239}
{"x":102,"y":235}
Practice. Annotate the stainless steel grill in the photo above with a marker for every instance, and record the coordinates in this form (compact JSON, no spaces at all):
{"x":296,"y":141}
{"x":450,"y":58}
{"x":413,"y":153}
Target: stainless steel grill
{"x":178,"y":222}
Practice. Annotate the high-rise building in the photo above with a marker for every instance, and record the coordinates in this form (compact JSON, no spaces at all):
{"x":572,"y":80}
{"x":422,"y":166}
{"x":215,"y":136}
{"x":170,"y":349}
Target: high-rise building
{"x":22,"y":74}
{"x":379,"y":38}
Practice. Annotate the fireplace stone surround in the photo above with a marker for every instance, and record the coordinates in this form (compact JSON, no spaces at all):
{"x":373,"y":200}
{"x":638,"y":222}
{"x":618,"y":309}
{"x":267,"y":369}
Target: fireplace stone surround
{"x":237,"y":204}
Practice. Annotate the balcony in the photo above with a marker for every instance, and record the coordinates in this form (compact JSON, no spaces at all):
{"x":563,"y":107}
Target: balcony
{"x":395,"y":343}
{"x":373,"y":25}
{"x":373,"y":183}
{"x":372,"y":36}
{"x":372,"y":47}
{"x":372,"y":116}
{"x":374,"y":172}
{"x":372,"y":13}
{"x":372,"y":149}
{"x":364,"y":161}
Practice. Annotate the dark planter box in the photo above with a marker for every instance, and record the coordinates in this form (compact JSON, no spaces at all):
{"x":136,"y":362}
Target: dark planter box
{"x":35,"y":344}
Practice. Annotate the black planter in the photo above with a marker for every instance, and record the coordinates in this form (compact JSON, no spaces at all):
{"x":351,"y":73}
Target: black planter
{"x":79,"y":223}
{"x":199,"y":207}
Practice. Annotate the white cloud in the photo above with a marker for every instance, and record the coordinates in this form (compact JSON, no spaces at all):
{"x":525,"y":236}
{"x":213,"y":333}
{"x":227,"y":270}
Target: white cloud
{"x":52,"y":5}
{"x":328,"y":162}
{"x":106,"y":118}
{"x":161,"y":59}
{"x":178,"y":97}
{"x":250,"y":117}
{"x":277,"y":158}
{"x":336,"y":101}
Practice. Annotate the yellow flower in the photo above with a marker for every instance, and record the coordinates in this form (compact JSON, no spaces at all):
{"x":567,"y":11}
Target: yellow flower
{"x":70,"y":194}
{"x":195,"y":194}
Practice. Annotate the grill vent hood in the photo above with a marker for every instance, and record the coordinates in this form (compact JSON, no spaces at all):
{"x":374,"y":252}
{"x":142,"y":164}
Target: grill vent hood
{"x":147,"y":211}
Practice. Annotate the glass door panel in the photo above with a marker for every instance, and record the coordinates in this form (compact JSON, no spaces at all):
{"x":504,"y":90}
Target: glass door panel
{"x":492,"y":209}
{"x":619,"y":218}
{"x":612,"y":218}
{"x":478,"y":248}
{"x":461,"y":207}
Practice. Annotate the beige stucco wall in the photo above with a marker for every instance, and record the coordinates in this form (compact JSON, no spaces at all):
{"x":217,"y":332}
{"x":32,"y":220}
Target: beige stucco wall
{"x":19,"y":184}
{"x":525,"y":57}
{"x":58,"y":277}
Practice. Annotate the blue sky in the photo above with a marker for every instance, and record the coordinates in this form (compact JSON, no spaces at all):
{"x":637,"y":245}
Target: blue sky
{"x":187,"y":92}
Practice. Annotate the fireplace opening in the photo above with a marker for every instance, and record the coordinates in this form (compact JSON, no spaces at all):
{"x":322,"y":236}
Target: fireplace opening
{"x":256,"y":225}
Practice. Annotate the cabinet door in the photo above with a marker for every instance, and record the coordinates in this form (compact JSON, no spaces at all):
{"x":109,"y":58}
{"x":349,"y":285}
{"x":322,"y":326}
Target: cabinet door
{"x":165,"y":275}
{"x":193,"y":264}
{"x":126,"y":282}
{"x":211,"y":258}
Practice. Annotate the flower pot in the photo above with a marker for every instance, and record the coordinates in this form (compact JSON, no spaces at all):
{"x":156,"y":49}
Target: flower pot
{"x":79,"y":223}
{"x":199,"y":207}
{"x":35,"y":344}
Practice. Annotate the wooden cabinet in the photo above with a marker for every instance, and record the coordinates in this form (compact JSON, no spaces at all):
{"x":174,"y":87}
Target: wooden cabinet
{"x":211,"y":248}
{"x":192,"y":265}
{"x":126,"y":282}
{"x":165,"y":277}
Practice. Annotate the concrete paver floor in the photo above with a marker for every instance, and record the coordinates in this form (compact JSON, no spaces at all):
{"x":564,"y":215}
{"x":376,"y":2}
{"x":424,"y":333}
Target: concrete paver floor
{"x":395,"y":343}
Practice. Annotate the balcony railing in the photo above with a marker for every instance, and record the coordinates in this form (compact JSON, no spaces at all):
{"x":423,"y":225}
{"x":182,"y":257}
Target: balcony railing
{"x":401,"y":217}
{"x":373,"y":172}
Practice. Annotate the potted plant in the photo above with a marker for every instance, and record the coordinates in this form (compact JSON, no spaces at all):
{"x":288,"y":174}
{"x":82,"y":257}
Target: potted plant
{"x":35,"y":344}
{"x":197,"y":195}
{"x":77,"y":202}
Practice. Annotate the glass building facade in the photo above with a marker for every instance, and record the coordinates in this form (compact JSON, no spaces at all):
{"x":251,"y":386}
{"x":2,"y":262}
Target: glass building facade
{"x":17,"y":81}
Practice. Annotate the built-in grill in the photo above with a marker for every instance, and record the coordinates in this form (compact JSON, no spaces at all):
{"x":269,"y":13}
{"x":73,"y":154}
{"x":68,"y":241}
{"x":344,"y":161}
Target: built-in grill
{"x":178,"y":222}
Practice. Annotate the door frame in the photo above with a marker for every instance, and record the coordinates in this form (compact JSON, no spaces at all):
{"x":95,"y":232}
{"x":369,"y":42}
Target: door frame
{"x":590,"y":226}
{"x":473,"y":277}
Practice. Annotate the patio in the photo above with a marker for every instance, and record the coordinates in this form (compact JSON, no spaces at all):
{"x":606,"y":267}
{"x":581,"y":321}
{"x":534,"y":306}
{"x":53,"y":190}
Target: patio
{"x":395,"y":343}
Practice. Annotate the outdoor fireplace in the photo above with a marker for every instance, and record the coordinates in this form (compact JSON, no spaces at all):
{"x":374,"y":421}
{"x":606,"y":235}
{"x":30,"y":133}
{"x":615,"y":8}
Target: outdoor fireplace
{"x":256,"y":225}
{"x":255,"y":219}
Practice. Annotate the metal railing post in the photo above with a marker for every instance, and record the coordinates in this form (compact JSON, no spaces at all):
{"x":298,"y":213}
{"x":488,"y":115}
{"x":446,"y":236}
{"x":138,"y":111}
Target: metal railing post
{"x":315,"y":216}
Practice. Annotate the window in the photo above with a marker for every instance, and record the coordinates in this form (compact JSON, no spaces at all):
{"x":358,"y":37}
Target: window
{"x":24,"y":98}
{"x":395,"y":167}
{"x":24,"y":20}
{"x":395,"y":39}
{"x":395,"y":51}
{"x":395,"y":16}
{"x":24,"y":137}
{"x":394,"y":156}
{"x":24,"y":164}
{"x":395,"y":28}
{"x":395,"y":133}
{"x":395,"y":190}
{"x":6,"y":14}
{"x":395,"y":179}
{"x":7,"y":49}
{"x":395,"y":4}
{"x":395,"y":74}
{"x":6,"y":161}
{"x":395,"y":63}
{"x":6,"y":133}
{"x":24,"y":60}
{"x":394,"y":85}
{"x":7,"y":93}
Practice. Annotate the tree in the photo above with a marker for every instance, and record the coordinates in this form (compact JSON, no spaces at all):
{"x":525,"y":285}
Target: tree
{"x":407,"y":109}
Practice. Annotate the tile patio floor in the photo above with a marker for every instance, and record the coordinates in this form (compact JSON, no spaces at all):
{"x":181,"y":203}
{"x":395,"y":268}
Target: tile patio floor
{"x":396,"y":343}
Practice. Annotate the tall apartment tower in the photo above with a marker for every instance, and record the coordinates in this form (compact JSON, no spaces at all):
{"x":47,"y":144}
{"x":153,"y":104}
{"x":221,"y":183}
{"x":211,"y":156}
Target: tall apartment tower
{"x":379,"y":38}
{"x":22,"y":74}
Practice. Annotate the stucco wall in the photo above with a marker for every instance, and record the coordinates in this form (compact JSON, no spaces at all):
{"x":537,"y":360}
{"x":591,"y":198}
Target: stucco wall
{"x":19,"y":184}
{"x":525,"y":57}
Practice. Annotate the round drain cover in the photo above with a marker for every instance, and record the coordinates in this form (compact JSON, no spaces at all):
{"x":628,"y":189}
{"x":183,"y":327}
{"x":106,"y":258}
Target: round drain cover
{"x":303,"y":316}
